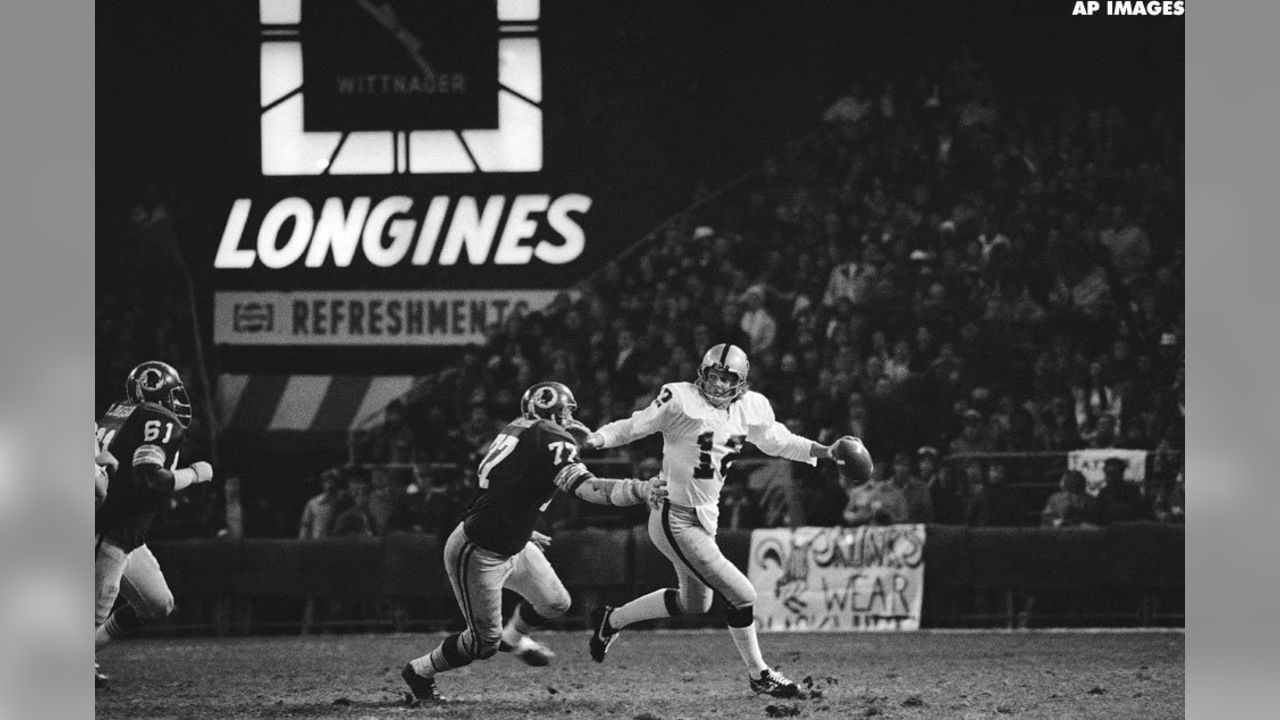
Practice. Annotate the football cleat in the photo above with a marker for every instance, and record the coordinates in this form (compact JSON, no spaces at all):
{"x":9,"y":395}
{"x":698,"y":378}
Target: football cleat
{"x":600,"y":641}
{"x":530,"y":651}
{"x":773,"y":683}
{"x":423,"y":688}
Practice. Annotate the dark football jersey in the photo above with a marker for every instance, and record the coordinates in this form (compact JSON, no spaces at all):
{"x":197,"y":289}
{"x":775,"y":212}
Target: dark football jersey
{"x":131,"y":504}
{"x":517,"y":482}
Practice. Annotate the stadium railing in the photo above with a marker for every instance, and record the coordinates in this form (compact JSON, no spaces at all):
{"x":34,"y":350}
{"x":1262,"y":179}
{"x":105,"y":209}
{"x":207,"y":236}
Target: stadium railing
{"x":1127,"y":575}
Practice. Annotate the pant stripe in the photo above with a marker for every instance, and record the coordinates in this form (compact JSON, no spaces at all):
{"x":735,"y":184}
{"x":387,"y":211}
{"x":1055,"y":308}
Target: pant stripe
{"x":463,"y":574}
{"x":671,"y":538}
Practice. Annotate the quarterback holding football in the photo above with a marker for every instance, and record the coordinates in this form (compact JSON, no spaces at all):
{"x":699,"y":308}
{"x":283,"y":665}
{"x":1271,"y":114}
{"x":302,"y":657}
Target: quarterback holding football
{"x":704,"y":425}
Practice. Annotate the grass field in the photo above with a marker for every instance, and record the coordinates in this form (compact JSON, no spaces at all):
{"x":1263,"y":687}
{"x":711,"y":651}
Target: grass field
{"x":652,"y":675}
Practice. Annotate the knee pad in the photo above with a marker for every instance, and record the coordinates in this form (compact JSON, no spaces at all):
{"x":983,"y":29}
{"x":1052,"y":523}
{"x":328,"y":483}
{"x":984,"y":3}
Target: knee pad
{"x":702,"y":607}
{"x":558,"y":607}
{"x":740,"y":617}
{"x":672,"y":600}
{"x":156,"y":608}
{"x":162,"y":608}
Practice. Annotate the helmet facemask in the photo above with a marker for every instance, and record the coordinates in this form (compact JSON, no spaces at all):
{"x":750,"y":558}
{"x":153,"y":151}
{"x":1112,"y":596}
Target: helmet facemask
{"x":180,"y":405}
{"x":720,"y":394}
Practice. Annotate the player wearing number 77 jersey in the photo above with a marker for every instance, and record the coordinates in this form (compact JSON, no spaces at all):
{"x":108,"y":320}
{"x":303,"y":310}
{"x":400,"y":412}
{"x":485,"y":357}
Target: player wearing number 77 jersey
{"x":495,"y":546}
{"x":144,"y":434}
{"x":703,"y":425}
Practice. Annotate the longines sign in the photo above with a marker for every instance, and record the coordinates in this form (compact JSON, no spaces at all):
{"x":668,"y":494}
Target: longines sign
{"x":399,"y":231}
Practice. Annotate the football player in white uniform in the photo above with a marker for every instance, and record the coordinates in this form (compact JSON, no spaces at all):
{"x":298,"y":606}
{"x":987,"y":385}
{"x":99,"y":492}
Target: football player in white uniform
{"x":704,"y":425}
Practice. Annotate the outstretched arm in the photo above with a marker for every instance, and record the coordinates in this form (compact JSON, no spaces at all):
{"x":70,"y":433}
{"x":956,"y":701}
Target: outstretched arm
{"x":149,"y":460}
{"x":577,"y":480}
{"x":642,"y":423}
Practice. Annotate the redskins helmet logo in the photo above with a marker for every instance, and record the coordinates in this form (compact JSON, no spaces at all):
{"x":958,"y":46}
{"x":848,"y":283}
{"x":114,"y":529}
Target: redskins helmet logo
{"x":545,"y":398}
{"x":151,"y":380}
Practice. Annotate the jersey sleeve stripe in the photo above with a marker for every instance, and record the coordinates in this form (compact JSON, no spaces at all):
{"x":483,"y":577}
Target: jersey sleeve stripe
{"x":571,"y":477}
{"x":148,"y":455}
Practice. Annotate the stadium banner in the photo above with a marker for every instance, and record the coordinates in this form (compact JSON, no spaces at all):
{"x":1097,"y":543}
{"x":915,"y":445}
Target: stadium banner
{"x":838,"y":579}
{"x":368,"y":317}
{"x":1090,"y":463}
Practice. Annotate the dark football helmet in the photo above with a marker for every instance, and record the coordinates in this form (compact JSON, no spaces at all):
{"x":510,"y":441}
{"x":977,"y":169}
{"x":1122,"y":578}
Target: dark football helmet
{"x":727,"y":362}
{"x":549,"y":401}
{"x":157,"y":382}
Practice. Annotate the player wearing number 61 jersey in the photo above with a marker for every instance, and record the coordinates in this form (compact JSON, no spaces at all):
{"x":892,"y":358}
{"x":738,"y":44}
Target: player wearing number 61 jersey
{"x":703,"y":425}
{"x":495,"y":545}
{"x":144,"y":435}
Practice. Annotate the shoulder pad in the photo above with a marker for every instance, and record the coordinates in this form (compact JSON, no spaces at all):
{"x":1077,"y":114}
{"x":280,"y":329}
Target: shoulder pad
{"x":150,"y":409}
{"x":756,"y":405}
{"x":683,"y":390}
{"x":551,"y":428}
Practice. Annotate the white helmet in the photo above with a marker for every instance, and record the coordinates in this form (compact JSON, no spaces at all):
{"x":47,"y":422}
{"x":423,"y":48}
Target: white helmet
{"x":723,"y":358}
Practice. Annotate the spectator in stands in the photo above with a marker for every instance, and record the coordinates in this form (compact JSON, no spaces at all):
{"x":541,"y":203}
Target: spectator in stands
{"x":1100,"y":432}
{"x":897,"y":368}
{"x":990,"y":503}
{"x":627,"y":364}
{"x":757,"y":322}
{"x":387,"y":502}
{"x":850,"y":280}
{"x":1082,"y":290}
{"x":356,"y":520}
{"x":1096,"y":398}
{"x":849,"y":109}
{"x":1129,"y":246}
{"x":466,"y":445}
{"x":394,"y":439}
{"x":233,"y":510}
{"x":1118,"y":500}
{"x":1071,"y":506}
{"x":915,"y":493}
{"x":321,"y":511}
{"x":946,"y":496}
{"x":1169,"y":504}
{"x":876,"y":502}
{"x":974,"y":437}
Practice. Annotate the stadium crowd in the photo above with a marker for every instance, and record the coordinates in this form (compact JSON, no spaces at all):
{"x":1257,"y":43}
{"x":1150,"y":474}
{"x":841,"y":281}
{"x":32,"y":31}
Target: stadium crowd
{"x":937,"y":270}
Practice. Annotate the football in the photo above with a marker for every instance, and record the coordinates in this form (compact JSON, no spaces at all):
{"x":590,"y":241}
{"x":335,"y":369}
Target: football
{"x":852,"y":458}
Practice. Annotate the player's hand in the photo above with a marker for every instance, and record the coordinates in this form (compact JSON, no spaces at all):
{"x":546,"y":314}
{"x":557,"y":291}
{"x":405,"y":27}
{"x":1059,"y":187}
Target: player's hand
{"x":542,"y":541}
{"x":579,"y":431}
{"x":594,"y":441}
{"x":107,"y":460}
{"x":204,"y":471}
{"x":657,"y":492}
{"x":100,"y":485}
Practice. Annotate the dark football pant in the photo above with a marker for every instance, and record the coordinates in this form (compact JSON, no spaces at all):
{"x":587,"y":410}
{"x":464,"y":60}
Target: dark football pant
{"x":478,"y":577}
{"x":134,"y":575}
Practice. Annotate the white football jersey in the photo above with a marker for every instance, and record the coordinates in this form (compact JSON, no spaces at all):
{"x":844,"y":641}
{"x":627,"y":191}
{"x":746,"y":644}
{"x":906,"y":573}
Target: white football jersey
{"x":700,"y":441}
